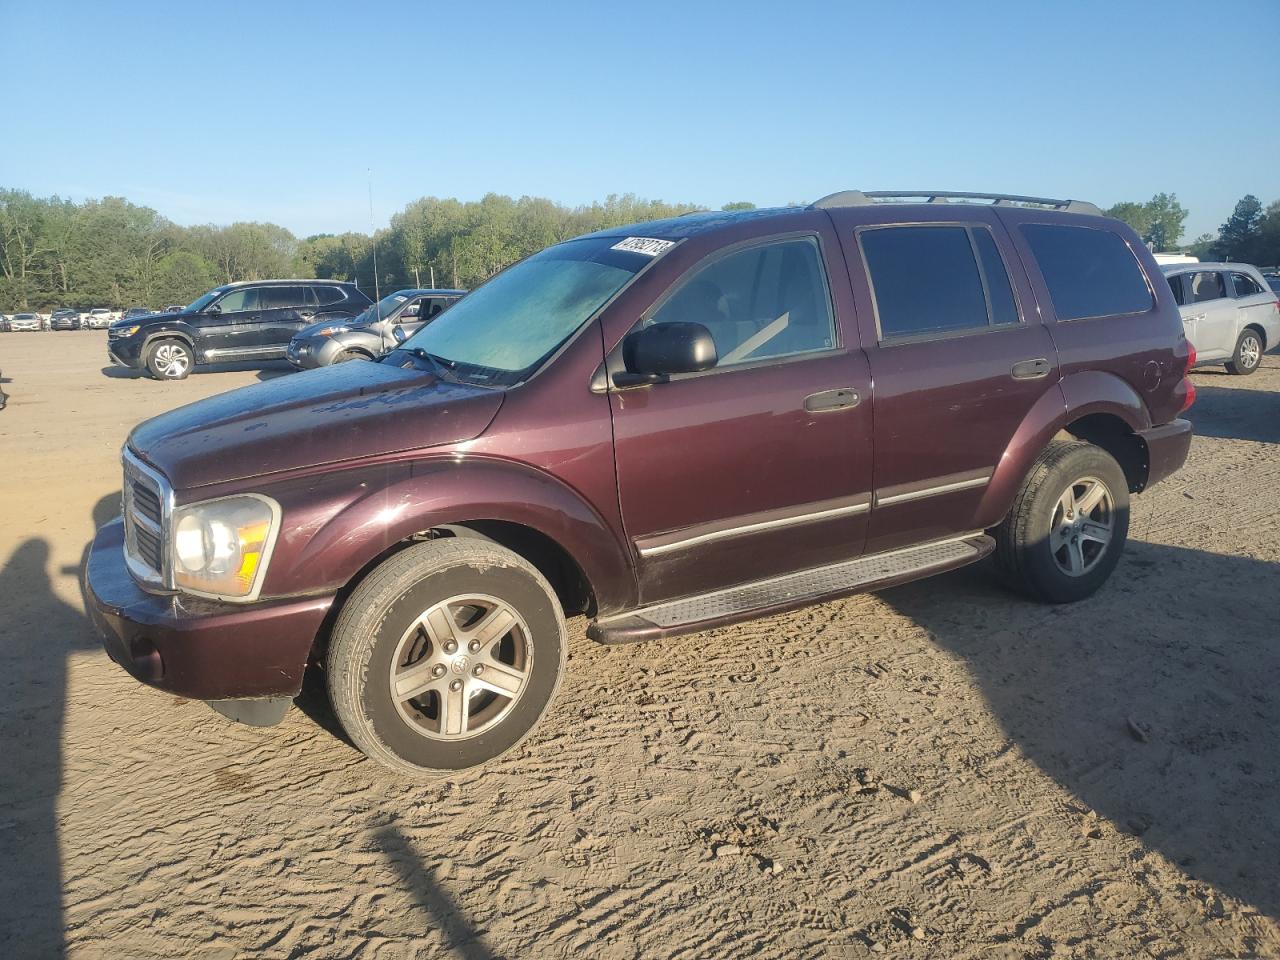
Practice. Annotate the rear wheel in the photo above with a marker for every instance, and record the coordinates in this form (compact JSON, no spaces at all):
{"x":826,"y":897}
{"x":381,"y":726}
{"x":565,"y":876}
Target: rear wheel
{"x":1068,"y":524}
{"x":1248,"y":354}
{"x":446,"y":656}
{"x":169,"y":359}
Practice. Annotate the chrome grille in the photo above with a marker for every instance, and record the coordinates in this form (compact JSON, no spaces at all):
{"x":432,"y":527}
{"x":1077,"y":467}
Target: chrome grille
{"x":147,"y":502}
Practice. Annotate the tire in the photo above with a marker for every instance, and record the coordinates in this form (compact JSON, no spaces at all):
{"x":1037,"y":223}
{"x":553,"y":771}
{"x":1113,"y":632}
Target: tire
{"x":344,"y":355}
{"x":170,"y":359}
{"x":384,"y":630}
{"x":1046,"y":547}
{"x":1248,"y":353}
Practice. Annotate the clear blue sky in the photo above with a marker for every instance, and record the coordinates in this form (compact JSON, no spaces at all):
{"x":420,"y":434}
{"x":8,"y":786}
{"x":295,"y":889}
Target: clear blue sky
{"x":219,"y":111}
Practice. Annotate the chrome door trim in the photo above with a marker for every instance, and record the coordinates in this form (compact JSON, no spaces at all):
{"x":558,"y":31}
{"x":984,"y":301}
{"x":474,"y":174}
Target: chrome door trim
{"x":933,"y":487}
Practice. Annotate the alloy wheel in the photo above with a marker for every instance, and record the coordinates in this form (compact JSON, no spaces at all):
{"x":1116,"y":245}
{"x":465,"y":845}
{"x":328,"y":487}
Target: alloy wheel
{"x":1081,"y":527}
{"x":1250,"y":352}
{"x":171,"y":360}
{"x":461,"y":667}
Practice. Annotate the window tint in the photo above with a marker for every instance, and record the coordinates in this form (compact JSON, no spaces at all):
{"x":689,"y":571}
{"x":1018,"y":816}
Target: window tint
{"x":1175,"y":284}
{"x":327,"y":295}
{"x":766,"y":301}
{"x":1245,"y":285}
{"x":1003,"y":308}
{"x":1089,"y":272}
{"x":278,"y":298}
{"x":238,"y":301}
{"x":1207,"y":286}
{"x":925,"y":280}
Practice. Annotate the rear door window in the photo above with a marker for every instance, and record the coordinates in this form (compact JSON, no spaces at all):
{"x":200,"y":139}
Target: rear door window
{"x":1245,"y":285}
{"x":765,"y":301}
{"x":1175,"y":284}
{"x":1089,"y":272}
{"x":1206,"y":286}
{"x":936,"y":279}
{"x":281,"y":298}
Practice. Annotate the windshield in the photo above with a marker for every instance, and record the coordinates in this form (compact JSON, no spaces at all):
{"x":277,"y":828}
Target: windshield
{"x":501,"y":333}
{"x":380,"y":310}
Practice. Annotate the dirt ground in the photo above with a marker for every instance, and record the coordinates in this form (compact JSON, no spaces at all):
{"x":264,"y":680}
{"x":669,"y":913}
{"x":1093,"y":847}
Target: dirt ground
{"x":941,"y":770}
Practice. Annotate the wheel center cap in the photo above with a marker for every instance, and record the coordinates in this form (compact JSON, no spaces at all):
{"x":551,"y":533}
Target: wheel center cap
{"x":459,"y":665}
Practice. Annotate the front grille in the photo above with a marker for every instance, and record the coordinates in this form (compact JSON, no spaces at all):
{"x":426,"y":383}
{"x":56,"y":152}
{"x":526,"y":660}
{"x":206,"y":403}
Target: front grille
{"x":146,"y":519}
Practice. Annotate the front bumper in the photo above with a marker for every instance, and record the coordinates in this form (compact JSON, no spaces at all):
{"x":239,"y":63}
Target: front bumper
{"x":126,"y":351}
{"x":201,"y":649}
{"x":1167,"y":447}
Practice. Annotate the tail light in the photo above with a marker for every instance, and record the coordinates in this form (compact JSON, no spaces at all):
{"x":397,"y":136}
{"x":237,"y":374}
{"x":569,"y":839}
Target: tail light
{"x":1190,"y":387}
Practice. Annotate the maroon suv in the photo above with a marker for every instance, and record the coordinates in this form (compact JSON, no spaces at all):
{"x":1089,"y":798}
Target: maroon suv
{"x":665,"y":427}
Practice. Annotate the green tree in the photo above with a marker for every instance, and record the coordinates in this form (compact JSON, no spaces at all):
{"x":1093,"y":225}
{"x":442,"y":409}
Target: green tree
{"x":1239,"y":238}
{"x":1158,"y":221}
{"x":739,"y":205}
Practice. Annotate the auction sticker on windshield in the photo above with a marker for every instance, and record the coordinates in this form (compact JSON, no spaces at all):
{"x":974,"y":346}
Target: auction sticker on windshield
{"x":646,"y":245}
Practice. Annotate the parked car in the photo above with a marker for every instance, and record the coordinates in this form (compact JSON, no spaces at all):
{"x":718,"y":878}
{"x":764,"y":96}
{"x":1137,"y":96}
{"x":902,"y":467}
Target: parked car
{"x":666,"y":427}
{"x":372,"y":333}
{"x":135,"y":312}
{"x":99,"y":318}
{"x":174,"y":308}
{"x":1273,"y":281}
{"x":64,"y":319}
{"x":25,"y":323}
{"x":250,"y":320}
{"x":1228,"y":311}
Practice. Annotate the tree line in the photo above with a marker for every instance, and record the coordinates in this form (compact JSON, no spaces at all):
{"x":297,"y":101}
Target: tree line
{"x":110,"y":252}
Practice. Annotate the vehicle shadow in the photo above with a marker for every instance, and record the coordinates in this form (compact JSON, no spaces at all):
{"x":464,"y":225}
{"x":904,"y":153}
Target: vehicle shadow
{"x":1236,"y":414}
{"x":461,"y":938}
{"x":265,"y":370}
{"x":1156,"y":702}
{"x":38,"y":634}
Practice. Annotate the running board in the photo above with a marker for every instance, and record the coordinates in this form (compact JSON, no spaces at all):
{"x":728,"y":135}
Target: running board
{"x":792,"y":590}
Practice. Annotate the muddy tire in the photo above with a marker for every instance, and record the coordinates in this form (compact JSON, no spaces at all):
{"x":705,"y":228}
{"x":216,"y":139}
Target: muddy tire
{"x":1068,"y":524}
{"x":1248,"y":353}
{"x":446,"y":656}
{"x":169,"y":359}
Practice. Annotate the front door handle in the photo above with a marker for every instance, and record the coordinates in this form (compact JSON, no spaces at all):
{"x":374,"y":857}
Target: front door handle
{"x":1197,"y":316}
{"x":1030,"y":369}
{"x":841,"y":398}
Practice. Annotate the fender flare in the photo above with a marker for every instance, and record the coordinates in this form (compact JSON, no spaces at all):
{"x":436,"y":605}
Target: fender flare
{"x":1074,"y":396}
{"x":457,"y":491}
{"x":169,"y":333}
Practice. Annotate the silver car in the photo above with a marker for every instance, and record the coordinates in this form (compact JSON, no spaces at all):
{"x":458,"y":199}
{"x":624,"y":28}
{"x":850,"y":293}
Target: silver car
{"x":1229,"y":312}
{"x":372,"y":333}
{"x":25,"y":323}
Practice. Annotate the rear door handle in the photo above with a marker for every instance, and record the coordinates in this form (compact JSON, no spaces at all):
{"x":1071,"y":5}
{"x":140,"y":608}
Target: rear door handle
{"x":839,"y":399}
{"x":1198,"y":316}
{"x":1030,"y":369}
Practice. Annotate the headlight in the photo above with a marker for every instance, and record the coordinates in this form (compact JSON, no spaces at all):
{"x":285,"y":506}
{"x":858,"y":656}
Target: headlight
{"x":330,"y":331}
{"x":125,"y":331}
{"x":221,"y":547}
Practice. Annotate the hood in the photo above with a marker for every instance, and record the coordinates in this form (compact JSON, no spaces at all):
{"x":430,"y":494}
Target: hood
{"x":330,"y":415}
{"x":314,"y":328}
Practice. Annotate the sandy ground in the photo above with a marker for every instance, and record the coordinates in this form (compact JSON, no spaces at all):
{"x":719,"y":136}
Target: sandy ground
{"x":940,"y":770}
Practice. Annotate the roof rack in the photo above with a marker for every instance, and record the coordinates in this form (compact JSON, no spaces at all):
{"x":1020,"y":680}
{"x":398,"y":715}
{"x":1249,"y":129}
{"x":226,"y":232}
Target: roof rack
{"x":858,"y":198}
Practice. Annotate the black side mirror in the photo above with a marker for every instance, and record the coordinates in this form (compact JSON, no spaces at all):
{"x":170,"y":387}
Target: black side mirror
{"x":653,"y":354}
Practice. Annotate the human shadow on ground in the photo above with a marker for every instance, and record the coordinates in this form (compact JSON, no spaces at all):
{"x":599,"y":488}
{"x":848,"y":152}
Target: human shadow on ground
{"x":38,"y":634}
{"x":460,"y":936}
{"x":265,"y":370}
{"x":1156,"y":702}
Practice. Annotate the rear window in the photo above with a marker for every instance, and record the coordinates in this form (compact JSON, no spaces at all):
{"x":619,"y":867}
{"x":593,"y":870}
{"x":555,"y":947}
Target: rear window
{"x":327,"y":295}
{"x":1175,"y":284}
{"x":927,"y":279}
{"x":1207,"y":286}
{"x":1089,"y":272}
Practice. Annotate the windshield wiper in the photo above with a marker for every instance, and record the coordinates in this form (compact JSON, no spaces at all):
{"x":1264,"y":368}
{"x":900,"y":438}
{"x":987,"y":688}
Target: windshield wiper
{"x":445,"y":367}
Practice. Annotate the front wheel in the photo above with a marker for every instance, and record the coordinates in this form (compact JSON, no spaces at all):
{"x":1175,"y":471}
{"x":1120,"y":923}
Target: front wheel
{"x":1068,"y":524}
{"x":345,"y":355}
{"x":1248,"y":353}
{"x":169,"y":359}
{"x":446,"y":656}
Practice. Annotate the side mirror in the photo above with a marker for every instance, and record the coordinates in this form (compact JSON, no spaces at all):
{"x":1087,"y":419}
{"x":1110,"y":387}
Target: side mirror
{"x":653,"y":354}
{"x":399,"y":333}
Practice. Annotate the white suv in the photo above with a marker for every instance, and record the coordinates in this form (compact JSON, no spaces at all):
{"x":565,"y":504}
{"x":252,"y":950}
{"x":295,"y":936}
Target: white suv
{"x":99,"y":318}
{"x":1229,"y":312}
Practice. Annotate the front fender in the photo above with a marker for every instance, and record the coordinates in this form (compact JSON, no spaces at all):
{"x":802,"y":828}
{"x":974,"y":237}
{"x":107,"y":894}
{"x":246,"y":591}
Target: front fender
{"x":1076,"y":395}
{"x":340,"y":526}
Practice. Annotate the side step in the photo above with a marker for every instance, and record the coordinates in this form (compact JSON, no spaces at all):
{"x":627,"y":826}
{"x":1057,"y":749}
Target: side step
{"x":763,"y":597}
